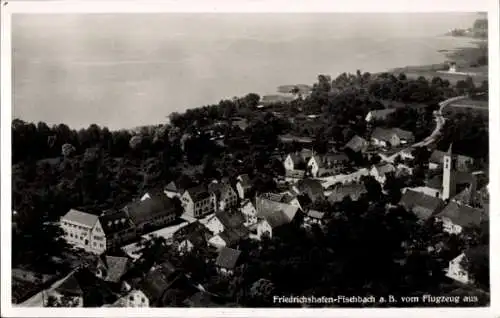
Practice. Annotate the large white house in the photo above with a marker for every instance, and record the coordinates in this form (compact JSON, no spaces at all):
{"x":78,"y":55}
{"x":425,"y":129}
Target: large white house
{"x":198,"y":202}
{"x":83,"y":230}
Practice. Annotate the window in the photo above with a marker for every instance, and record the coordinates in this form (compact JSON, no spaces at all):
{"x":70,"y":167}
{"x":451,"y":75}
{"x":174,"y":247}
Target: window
{"x":101,"y":246}
{"x":71,"y":234}
{"x":131,"y":298}
{"x":143,"y":300}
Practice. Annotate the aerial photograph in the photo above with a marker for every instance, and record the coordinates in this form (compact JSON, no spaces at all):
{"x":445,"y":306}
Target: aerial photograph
{"x":250,"y":160}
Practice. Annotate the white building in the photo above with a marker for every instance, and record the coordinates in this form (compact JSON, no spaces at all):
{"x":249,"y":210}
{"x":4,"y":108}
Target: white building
{"x":83,"y":230}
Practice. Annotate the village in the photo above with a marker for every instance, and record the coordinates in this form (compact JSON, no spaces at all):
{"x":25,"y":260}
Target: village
{"x":216,"y":216}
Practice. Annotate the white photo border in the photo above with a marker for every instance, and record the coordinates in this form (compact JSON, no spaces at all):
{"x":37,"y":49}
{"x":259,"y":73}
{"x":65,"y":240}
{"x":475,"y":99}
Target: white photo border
{"x":217,"y":6}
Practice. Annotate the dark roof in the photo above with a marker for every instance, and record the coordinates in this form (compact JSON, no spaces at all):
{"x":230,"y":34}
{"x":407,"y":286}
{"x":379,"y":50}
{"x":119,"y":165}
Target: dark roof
{"x":437,"y":156}
{"x":221,"y":190}
{"x":115,"y":268}
{"x":172,"y":187}
{"x":296,"y":158}
{"x":184,"y":231}
{"x":227,"y":258}
{"x":115,"y":221}
{"x":330,"y":158}
{"x":70,"y":286}
{"x":312,"y":188}
{"x":423,"y":205}
{"x":230,"y":219}
{"x":198,"y":193}
{"x":352,"y":190}
{"x":275,"y":213}
{"x":201,"y":299}
{"x":156,"y":283}
{"x":245,"y":181}
{"x":463,"y":215}
{"x":143,"y":211}
{"x":357,"y":144}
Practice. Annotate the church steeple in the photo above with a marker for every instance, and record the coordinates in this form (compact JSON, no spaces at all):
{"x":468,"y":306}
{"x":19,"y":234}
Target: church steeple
{"x":449,"y":174}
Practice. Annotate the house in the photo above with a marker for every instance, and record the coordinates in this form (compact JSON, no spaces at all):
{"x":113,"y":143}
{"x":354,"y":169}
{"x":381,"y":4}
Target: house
{"x":118,"y":228}
{"x":174,"y":189}
{"x":260,"y":229}
{"x":249,"y":212}
{"x":225,"y":195}
{"x":428,"y":191}
{"x":148,"y":214}
{"x":357,"y":144}
{"x":158,"y":281}
{"x":227,"y":260}
{"x":456,"y":217}
{"x":463,"y":163}
{"x":112,"y":268}
{"x":379,"y":114}
{"x":225,"y":220}
{"x":289,"y":197}
{"x":135,"y":298}
{"x":420,"y":204}
{"x":457,"y":266}
{"x":70,"y":288}
{"x":84,"y":230}
{"x":243,"y":185}
{"x":380,"y":172}
{"x":293,"y":162}
{"x":293,"y":175}
{"x":229,"y":237}
{"x":198,"y":201}
{"x":190,"y":236}
{"x":312,"y":188}
{"x":353,"y":190}
{"x":275,"y":213}
{"x":392,"y":137}
{"x":328,"y":164}
{"x":314,"y":217}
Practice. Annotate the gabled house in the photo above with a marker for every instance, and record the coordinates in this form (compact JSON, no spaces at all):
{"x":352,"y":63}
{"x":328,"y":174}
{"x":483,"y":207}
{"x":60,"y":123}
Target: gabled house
{"x":379,"y":114}
{"x":289,"y":197}
{"x":249,"y":213}
{"x":329,"y":164}
{"x":380,"y":172}
{"x":70,"y":288}
{"x":198,"y":202}
{"x":84,"y":230}
{"x":352,"y":190}
{"x":456,"y":269}
{"x":227,"y":260}
{"x":190,"y":236}
{"x":118,"y":228}
{"x":112,"y":268}
{"x":456,"y":217}
{"x":392,"y":137}
{"x":149,"y":214}
{"x":229,"y":237}
{"x":272,"y":215}
{"x":243,"y":185}
{"x":225,"y":220}
{"x":297,"y":160}
{"x":357,"y":144}
{"x":134,"y":298}
{"x":225,"y":195}
{"x":312,"y":188}
{"x":314,"y":217}
{"x":422,"y":205}
{"x":174,"y":189}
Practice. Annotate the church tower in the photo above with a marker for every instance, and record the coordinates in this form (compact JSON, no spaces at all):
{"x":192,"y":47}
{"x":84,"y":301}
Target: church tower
{"x":449,"y":174}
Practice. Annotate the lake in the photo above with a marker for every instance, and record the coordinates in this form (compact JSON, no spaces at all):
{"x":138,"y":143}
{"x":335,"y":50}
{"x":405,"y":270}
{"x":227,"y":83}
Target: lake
{"x":127,"y":70}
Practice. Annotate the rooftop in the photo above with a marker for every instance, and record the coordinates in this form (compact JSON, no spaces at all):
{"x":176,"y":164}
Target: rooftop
{"x":83,"y":218}
{"x":228,"y":258}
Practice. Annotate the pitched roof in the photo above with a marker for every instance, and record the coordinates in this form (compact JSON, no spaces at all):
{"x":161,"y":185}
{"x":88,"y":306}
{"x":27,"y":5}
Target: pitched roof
{"x":312,"y":188}
{"x":316,"y":214}
{"x":116,"y":267}
{"x":386,"y":134}
{"x":353,"y":190}
{"x":184,"y":231}
{"x":275,"y":213}
{"x":381,"y":114}
{"x":80,"y":217}
{"x":115,"y":221}
{"x":70,"y":286}
{"x":463,"y":215}
{"x":357,"y":144}
{"x":198,"y":193}
{"x":227,"y":258}
{"x":244,"y":180}
{"x":437,"y":156}
{"x":385,"y":168}
{"x":148,"y":209}
{"x":297,"y":174}
{"x":296,"y":158}
{"x":421,"y":204}
{"x":221,"y":190}
{"x":156,"y":283}
{"x":230,"y":219}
